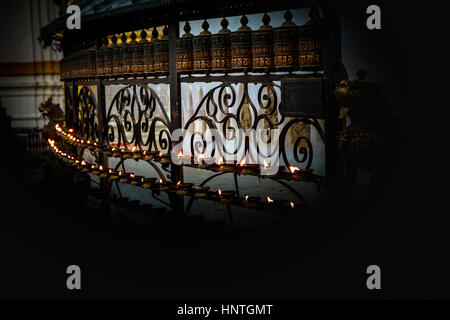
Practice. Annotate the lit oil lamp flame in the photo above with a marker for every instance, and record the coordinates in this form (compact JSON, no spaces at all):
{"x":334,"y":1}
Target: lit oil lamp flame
{"x":161,"y":181}
{"x":293,"y":169}
{"x":110,"y":171}
{"x":70,"y":130}
{"x":180,"y":154}
{"x":114,"y":149}
{"x":120,"y":173}
{"x":101,"y":167}
{"x":266,"y":165}
{"x":83,"y":163}
{"x":145,"y":152}
{"x":131,"y":175}
{"x":179,"y":183}
{"x":269,"y":200}
{"x":220,"y":161}
{"x":246,"y":198}
{"x":242,"y":162}
{"x":88,"y":142}
{"x":292,"y":205}
{"x":201,"y":157}
{"x":160,"y":154}
{"x":133,"y":149}
{"x":220,"y":192}
{"x":93,"y":166}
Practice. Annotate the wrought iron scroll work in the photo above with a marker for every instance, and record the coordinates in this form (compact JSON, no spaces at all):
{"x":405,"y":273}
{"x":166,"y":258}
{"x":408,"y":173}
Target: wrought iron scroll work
{"x":213,"y":110}
{"x":86,"y":116}
{"x":131,"y":120}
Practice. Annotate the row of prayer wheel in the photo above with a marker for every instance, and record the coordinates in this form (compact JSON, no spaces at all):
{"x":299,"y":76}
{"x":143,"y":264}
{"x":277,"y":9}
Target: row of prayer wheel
{"x":286,"y":48}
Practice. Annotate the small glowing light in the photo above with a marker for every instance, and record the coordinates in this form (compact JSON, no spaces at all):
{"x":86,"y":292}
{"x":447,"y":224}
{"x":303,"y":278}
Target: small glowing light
{"x":120,"y":173}
{"x":246,"y":198}
{"x":114,"y":149}
{"x":131,"y":175}
{"x":88,"y":142}
{"x":180,"y":154}
{"x":201,"y":157}
{"x":266,"y":165}
{"x":242,"y":162}
{"x":83,"y":163}
{"x":220,"y":192}
{"x":101,"y":167}
{"x":160,"y":154}
{"x":179,"y":182}
{"x":145,"y":152}
{"x":220,"y":160}
{"x":70,"y":130}
{"x":93,"y":166}
{"x":110,"y":171}
{"x":160,"y":181}
{"x":142,"y":179}
{"x":292,"y":205}
{"x":133,"y":149}
{"x":269,"y":200}
{"x":293,"y":169}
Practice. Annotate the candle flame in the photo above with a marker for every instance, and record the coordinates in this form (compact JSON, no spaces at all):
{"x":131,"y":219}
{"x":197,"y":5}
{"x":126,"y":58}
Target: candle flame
{"x":110,"y":171}
{"x":269,"y":200}
{"x":246,"y":198}
{"x":161,"y":181}
{"x":220,"y":160}
{"x":179,"y":182}
{"x":83,"y":163}
{"x":220,"y":192}
{"x":160,"y":154}
{"x":133,"y":149}
{"x":120,"y":173}
{"x":294,"y":169}
{"x":180,"y":154}
{"x":101,"y":167}
{"x":242,"y":162}
{"x":292,"y":205}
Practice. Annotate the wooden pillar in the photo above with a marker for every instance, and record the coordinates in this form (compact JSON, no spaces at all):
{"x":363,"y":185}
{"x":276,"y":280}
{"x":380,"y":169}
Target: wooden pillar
{"x":333,"y":73}
{"x":175,"y":108}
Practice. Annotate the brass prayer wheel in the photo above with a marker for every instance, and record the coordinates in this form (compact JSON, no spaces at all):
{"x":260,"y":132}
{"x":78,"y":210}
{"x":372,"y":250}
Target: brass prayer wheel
{"x":161,"y":52}
{"x":127,"y":53}
{"x":286,"y":44}
{"x":117,"y":58}
{"x":185,"y":50}
{"x":137,"y":56}
{"x":310,"y":42}
{"x":221,"y":49}
{"x":262,"y":46}
{"x":202,"y":49}
{"x":149,"y":53}
{"x":107,"y":58}
{"x":241,"y":47}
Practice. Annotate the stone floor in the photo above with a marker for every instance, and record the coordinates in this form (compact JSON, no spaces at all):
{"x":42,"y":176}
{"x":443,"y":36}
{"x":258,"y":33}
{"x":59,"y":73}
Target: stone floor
{"x":46,"y":224}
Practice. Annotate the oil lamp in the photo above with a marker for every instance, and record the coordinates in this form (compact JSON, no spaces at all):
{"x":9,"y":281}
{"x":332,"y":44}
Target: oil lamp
{"x":147,"y":183}
{"x":226,"y":166}
{"x":252,"y":202}
{"x":165,"y":185}
{"x":226,"y":196}
{"x":184,"y":188}
{"x":164,"y":158}
{"x":114,"y":175}
{"x":201,"y":192}
{"x":125,"y":177}
{"x":137,"y":180}
{"x":248,"y":168}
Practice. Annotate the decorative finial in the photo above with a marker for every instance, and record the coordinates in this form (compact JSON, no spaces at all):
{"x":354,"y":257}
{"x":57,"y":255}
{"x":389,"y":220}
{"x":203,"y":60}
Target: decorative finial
{"x":224,"y":23}
{"x":155,"y":34}
{"x":143,"y":35}
{"x":165,"y":33}
{"x":123,"y":38}
{"x":288,"y":17}
{"x":205,"y":26}
{"x":244,"y":22}
{"x":133,"y":36}
{"x":187,"y":29}
{"x":266,"y":21}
